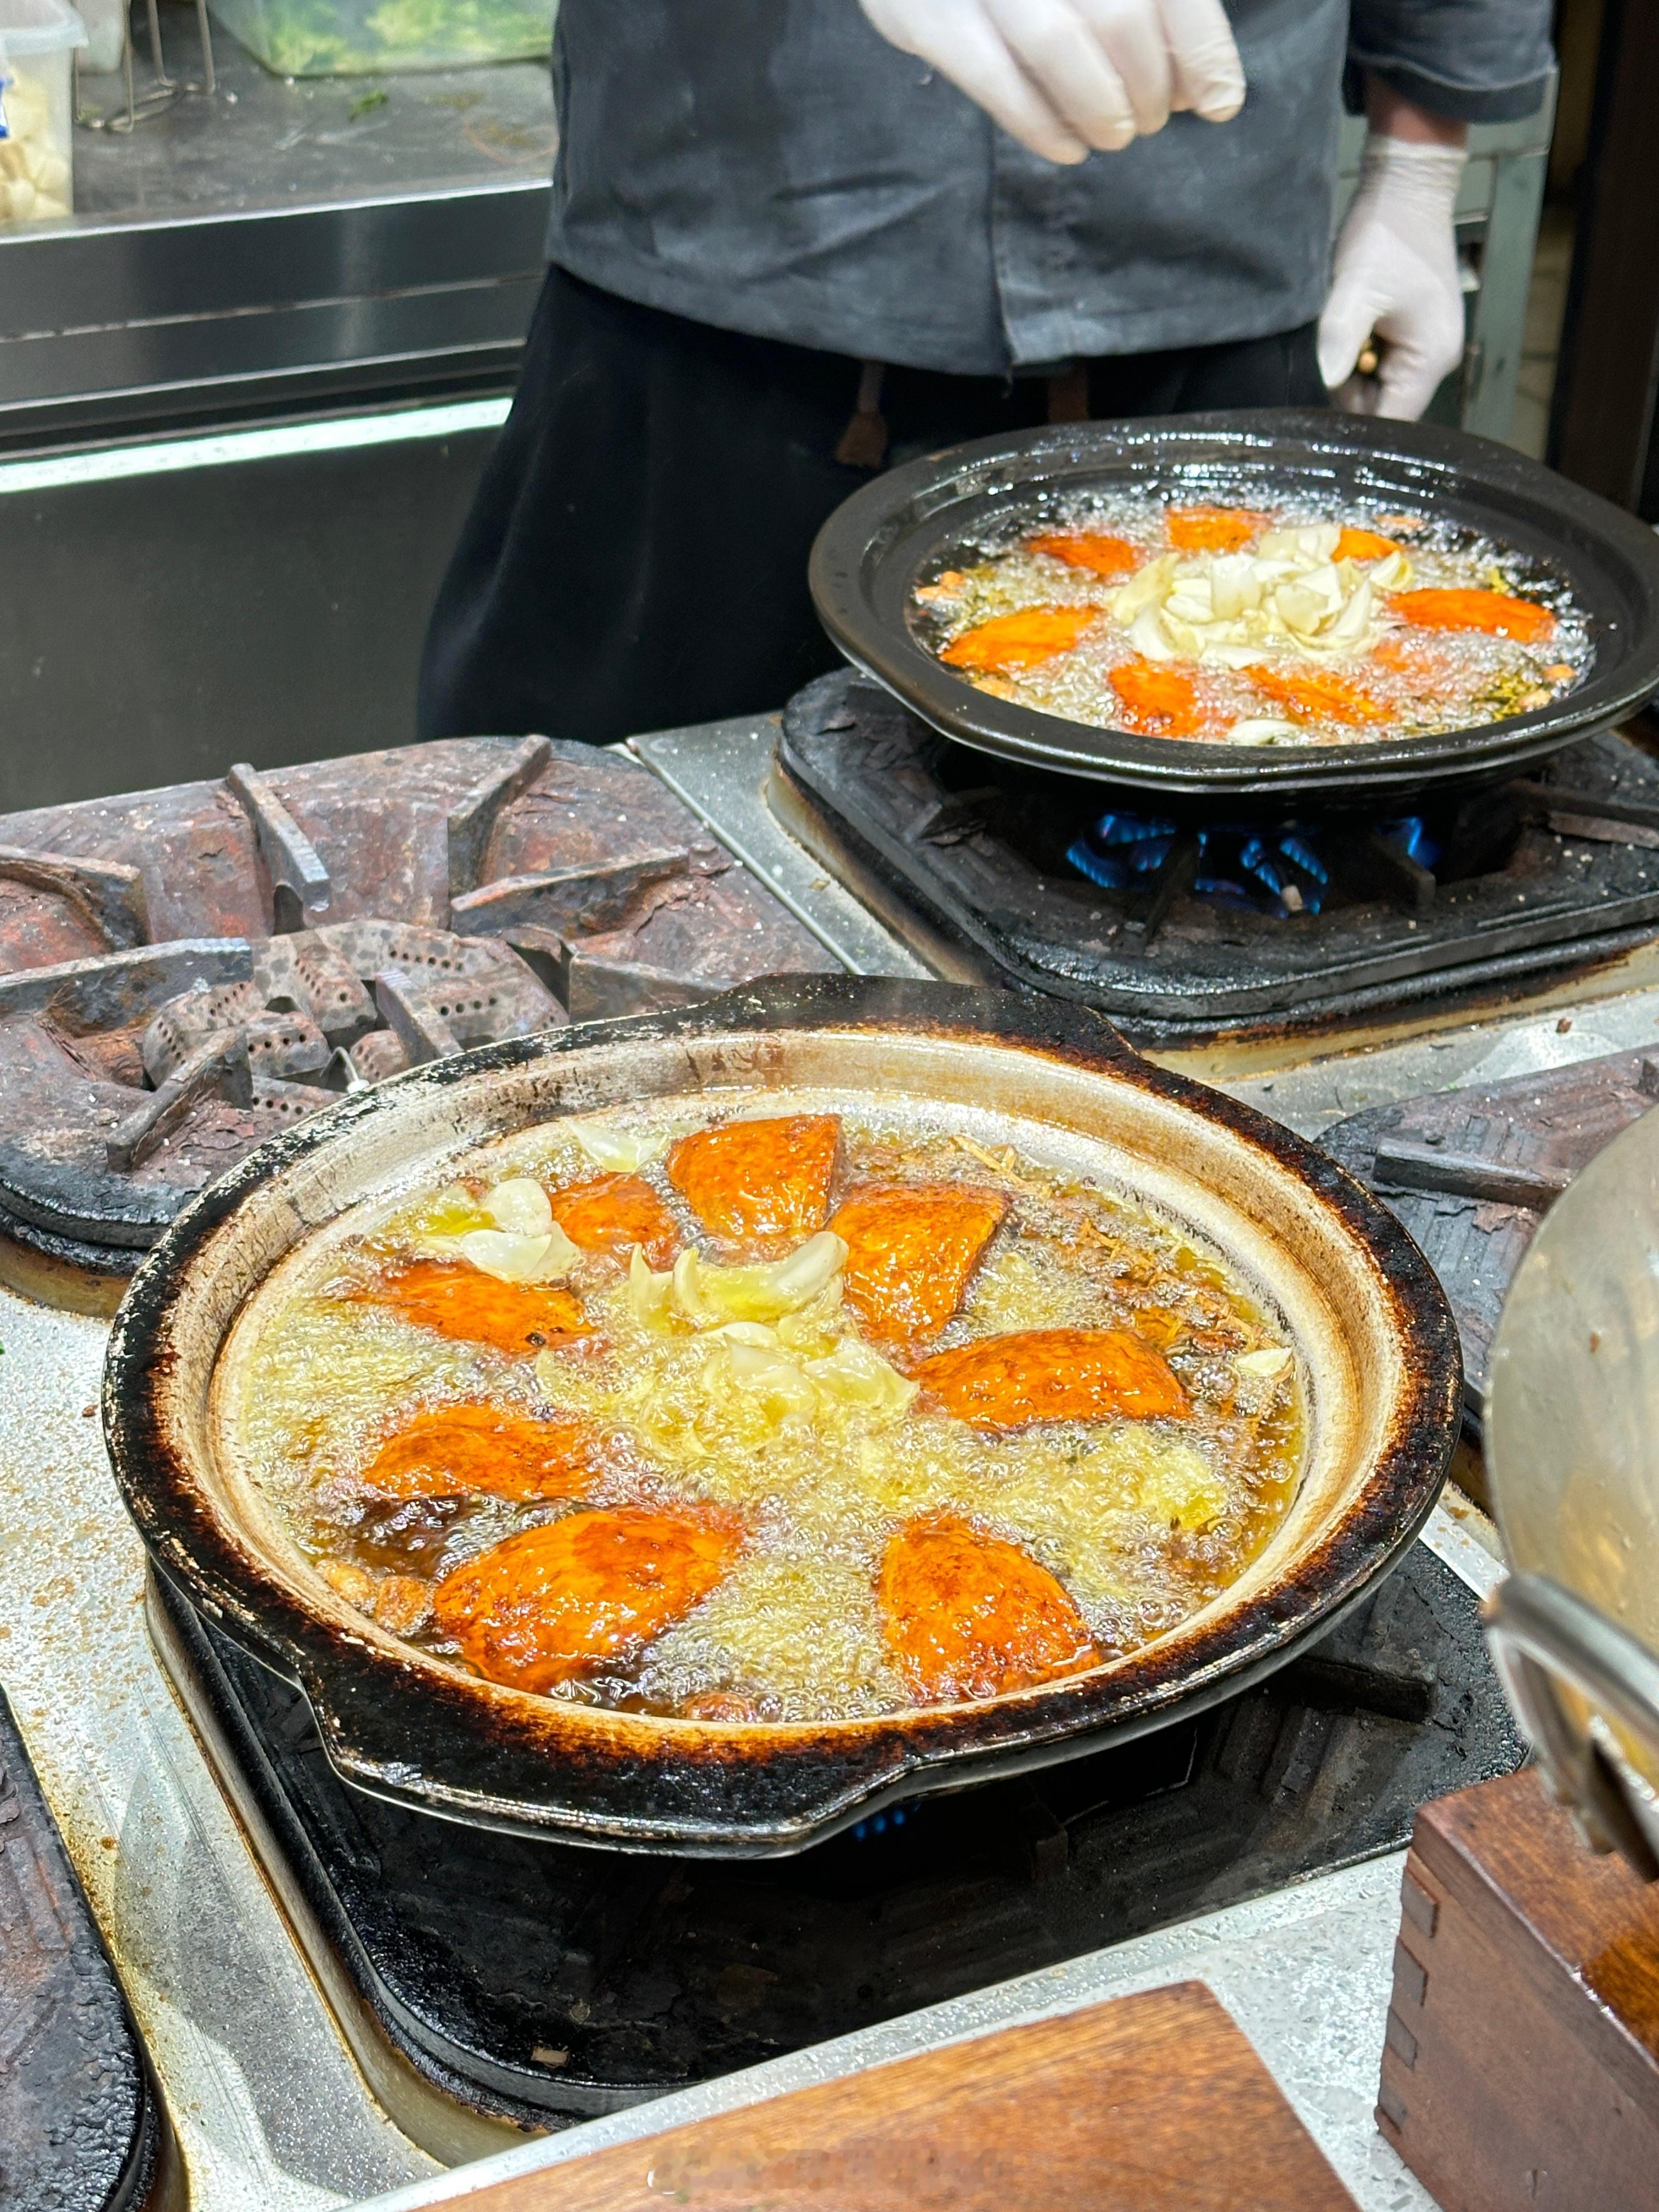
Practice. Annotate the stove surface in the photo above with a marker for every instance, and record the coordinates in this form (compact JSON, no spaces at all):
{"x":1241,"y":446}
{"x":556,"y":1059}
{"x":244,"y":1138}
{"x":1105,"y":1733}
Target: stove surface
{"x":80,"y":2128}
{"x":542,"y":1984}
{"x":1509,"y":885}
{"x":185,"y":972}
{"x":1471,"y":1172}
{"x":275,"y":2114}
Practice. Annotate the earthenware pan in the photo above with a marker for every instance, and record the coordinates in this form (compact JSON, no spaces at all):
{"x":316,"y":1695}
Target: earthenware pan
{"x":904,"y":526}
{"x":1374,"y":1339}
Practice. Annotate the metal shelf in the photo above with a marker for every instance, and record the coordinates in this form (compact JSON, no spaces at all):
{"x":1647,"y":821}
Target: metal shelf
{"x":283,"y":243}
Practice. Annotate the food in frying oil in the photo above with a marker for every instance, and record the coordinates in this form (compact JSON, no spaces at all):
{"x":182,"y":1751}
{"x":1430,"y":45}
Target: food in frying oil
{"x":821,"y":1412}
{"x":1230,"y":623}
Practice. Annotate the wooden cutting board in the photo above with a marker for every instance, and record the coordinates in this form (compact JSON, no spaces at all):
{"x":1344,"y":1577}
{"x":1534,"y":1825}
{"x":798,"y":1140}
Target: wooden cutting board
{"x":1154,"y":2103}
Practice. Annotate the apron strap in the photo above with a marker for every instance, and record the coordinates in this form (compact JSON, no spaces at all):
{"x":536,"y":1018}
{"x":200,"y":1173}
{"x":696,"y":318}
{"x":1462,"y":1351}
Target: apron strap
{"x":863,"y":443}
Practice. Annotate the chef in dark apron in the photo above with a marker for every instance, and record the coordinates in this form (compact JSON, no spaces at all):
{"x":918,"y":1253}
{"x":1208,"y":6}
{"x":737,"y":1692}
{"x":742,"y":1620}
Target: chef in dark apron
{"x":794,"y":242}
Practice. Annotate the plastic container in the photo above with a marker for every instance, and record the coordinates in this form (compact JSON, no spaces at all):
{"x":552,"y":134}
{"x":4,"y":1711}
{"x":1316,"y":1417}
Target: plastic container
{"x":356,"y":38}
{"x":105,"y":23}
{"x":38,"y":38}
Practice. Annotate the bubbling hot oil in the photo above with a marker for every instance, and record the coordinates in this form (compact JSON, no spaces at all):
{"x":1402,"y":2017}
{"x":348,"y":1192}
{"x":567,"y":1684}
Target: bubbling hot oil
{"x":1143,"y":1522}
{"x":1447,"y":680}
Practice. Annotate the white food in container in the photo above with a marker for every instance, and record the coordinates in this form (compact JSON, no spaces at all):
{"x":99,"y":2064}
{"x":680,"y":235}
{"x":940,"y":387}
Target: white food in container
{"x":38,"y":38}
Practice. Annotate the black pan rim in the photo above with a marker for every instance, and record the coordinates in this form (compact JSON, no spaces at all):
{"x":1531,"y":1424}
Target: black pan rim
{"x":910,"y":502}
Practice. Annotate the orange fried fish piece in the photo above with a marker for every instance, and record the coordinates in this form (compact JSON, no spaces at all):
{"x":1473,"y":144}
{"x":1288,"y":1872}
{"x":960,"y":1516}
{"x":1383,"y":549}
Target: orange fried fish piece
{"x":1095,"y":551}
{"x":911,"y":1251}
{"x":555,"y":1601}
{"x":1051,"y":1374}
{"x":1317,"y":695}
{"x":1163,"y":701}
{"x":1498,"y":613}
{"x":1420,"y":667}
{"x":1212,"y":529}
{"x":1363,"y":545}
{"x":761,"y":1183}
{"x":461,"y":1302}
{"x":460,"y":1450}
{"x":1019,"y":640}
{"x":965,"y":1614}
{"x":614,"y":1212}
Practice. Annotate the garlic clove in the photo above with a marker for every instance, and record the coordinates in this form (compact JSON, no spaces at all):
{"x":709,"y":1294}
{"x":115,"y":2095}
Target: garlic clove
{"x":1262,"y":730}
{"x":519,"y":1205}
{"x":517,"y":1259}
{"x":649,"y":1294}
{"x":860,"y":1377}
{"x":619,"y":1151}
{"x":1272,"y":1361}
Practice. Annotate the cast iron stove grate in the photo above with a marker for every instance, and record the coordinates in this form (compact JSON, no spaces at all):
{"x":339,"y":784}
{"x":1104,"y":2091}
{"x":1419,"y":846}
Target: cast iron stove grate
{"x":545,"y":1983}
{"x":185,"y":971}
{"x":1471,"y":1172}
{"x":1557,"y":870}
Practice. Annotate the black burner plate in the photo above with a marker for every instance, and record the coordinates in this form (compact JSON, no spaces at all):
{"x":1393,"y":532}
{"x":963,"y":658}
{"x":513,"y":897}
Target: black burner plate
{"x":547,"y":1982}
{"x":1450,"y":1190}
{"x":80,"y":2131}
{"x":978,"y":845}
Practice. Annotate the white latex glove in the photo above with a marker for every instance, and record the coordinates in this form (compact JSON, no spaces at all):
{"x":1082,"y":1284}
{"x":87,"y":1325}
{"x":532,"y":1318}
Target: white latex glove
{"x":1397,"y":274}
{"x":1066,"y":75}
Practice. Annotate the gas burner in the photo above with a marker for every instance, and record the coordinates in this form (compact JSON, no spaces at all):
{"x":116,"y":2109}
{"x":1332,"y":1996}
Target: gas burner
{"x":1279,"y":869}
{"x":1180,"y":925}
{"x":1275,"y":871}
{"x":184,"y":972}
{"x":544,"y":1982}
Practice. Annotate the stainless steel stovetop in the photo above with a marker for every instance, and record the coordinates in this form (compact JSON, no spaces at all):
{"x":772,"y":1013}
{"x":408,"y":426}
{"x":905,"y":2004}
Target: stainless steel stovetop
{"x":269,"y":2108}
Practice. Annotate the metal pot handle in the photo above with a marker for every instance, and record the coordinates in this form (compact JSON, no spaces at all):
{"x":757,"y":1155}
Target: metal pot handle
{"x":1542,"y":1635}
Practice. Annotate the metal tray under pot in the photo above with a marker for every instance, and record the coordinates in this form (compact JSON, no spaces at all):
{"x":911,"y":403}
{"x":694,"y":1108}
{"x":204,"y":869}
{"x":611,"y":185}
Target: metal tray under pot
{"x":937,"y":511}
{"x":1375,"y":1338}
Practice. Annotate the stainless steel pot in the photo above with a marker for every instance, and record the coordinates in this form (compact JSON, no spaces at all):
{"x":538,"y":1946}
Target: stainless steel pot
{"x":1572,"y":1438}
{"x":1375,"y":1338}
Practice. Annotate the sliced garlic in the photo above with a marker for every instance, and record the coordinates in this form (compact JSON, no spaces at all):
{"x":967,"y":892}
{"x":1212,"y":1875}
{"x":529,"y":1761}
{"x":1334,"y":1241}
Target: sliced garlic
{"x":649,"y":1294}
{"x":767,"y":1375}
{"x":514,"y":1259}
{"x":813,"y":1329}
{"x":1273,"y":1361}
{"x":1263,"y":730}
{"x":1149,"y":638}
{"x":709,"y":1295}
{"x":619,"y":1151}
{"x":1235,"y":587}
{"x":1307,"y":603}
{"x":859,"y":1377}
{"x":1288,"y":594}
{"x":1149,"y":588}
{"x":1309,"y":541}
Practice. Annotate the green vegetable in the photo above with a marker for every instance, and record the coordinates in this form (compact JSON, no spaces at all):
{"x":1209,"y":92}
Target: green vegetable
{"x":360,"y":37}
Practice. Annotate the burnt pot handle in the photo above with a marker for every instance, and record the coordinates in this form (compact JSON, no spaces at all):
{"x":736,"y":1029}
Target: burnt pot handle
{"x":1544,"y":1636}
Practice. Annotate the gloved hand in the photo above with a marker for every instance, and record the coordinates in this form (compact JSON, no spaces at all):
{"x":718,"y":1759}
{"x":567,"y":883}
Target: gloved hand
{"x":1066,"y":75}
{"x":1397,"y":274}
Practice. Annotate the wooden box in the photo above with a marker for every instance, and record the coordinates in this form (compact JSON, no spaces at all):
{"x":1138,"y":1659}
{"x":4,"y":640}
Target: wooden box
{"x":1521,"y":2065}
